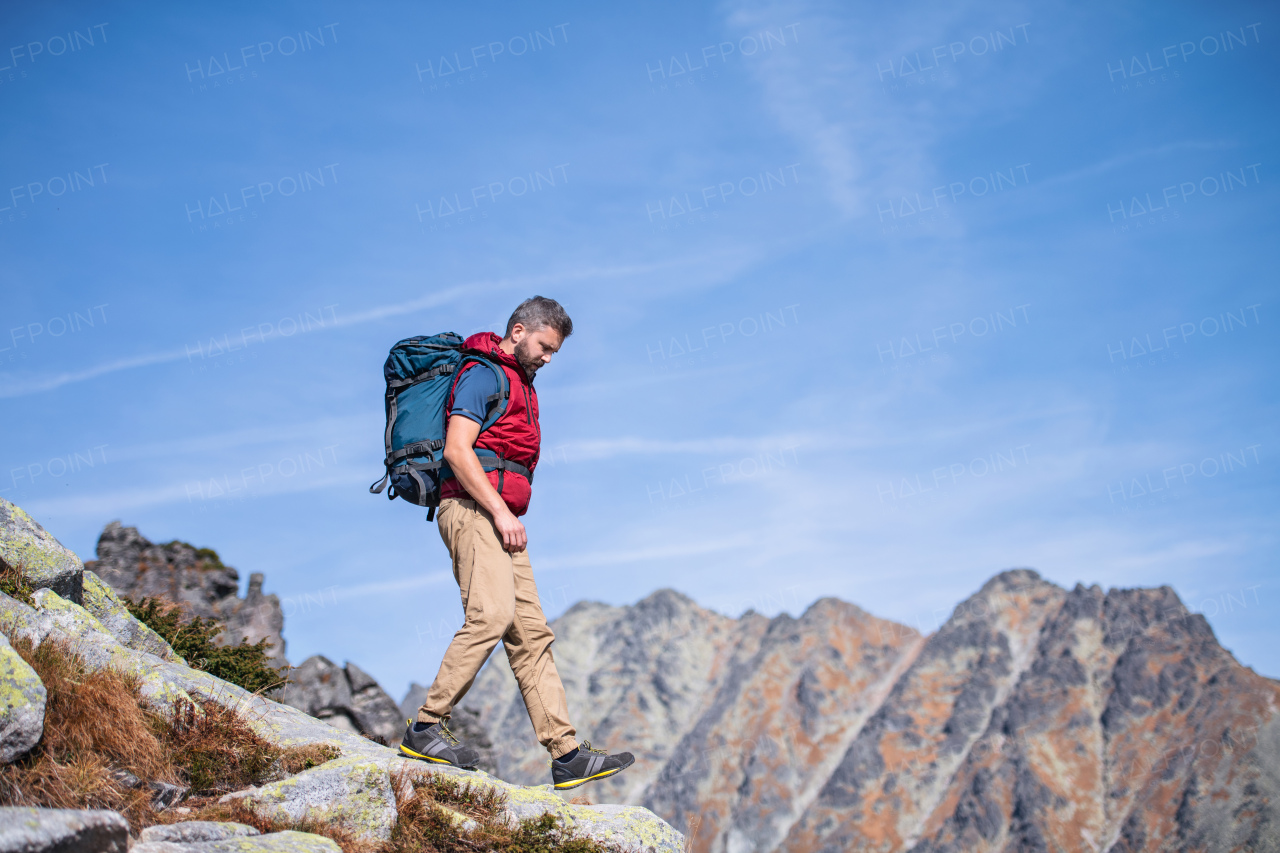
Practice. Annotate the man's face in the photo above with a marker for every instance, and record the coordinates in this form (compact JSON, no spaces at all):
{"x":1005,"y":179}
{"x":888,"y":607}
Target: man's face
{"x":534,"y":349}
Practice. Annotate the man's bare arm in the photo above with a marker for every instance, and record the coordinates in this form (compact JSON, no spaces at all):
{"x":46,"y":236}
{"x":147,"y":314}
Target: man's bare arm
{"x":460,"y":453}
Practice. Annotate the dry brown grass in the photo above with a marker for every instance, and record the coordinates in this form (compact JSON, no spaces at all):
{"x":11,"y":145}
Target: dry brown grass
{"x":426,"y":822}
{"x":295,"y":759}
{"x":93,"y":726}
{"x":215,"y":748}
{"x":96,"y":726}
{"x":14,"y":583}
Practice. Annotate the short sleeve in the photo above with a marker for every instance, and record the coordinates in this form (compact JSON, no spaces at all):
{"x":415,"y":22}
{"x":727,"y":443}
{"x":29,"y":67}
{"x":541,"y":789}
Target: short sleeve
{"x":472,"y":393}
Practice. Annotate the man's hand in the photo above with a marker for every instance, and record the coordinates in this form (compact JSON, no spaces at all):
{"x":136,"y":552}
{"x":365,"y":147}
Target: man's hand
{"x":460,"y":453}
{"x":511,"y":530}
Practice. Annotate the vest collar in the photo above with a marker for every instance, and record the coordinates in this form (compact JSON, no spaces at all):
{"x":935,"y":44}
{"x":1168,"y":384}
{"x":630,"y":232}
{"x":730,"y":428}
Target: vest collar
{"x":486,"y":343}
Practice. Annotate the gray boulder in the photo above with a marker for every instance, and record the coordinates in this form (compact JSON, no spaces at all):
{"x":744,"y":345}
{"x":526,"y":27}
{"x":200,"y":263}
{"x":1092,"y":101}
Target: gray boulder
{"x":27,"y":546}
{"x":192,"y":831}
{"x":370,"y":704}
{"x":27,"y":830}
{"x":22,"y":699}
{"x":345,"y":697}
{"x":354,"y":792}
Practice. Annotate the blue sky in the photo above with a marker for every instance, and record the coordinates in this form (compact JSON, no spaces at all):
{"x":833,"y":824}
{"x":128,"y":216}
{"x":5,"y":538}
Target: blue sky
{"x":869,"y":302}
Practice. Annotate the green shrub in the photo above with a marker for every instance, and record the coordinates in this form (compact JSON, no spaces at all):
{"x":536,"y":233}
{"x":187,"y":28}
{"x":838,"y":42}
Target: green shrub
{"x":244,"y":664}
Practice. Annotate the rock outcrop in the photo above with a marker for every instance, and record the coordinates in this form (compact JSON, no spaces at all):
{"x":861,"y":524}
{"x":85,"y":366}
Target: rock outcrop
{"x":346,"y":697}
{"x":102,"y":602}
{"x":196,"y":580}
{"x":1036,"y":718}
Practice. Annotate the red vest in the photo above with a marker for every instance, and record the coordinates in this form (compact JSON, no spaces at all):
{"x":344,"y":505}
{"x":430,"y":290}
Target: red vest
{"x":516,"y":435}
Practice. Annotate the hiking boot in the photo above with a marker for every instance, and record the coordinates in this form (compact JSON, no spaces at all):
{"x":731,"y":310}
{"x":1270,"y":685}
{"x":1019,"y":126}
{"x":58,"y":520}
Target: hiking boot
{"x":588,"y":764}
{"x":435,"y":743}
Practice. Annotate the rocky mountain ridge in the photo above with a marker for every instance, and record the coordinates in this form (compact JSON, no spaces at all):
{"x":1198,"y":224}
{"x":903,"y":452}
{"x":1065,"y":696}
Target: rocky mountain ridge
{"x":1036,"y":718}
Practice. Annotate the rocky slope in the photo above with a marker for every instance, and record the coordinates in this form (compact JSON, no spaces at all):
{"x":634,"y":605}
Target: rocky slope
{"x":196,"y":580}
{"x":357,"y":790}
{"x":1036,"y":718}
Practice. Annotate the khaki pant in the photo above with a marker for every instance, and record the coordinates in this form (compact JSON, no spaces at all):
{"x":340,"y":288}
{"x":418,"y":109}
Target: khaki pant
{"x":500,"y":600}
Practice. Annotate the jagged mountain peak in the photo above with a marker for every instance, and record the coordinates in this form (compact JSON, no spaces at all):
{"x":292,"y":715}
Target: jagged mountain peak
{"x":668,"y":599}
{"x":1035,"y":718}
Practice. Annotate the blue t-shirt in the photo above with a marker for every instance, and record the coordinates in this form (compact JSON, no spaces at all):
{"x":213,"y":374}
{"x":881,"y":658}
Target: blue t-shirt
{"x":471,"y":396}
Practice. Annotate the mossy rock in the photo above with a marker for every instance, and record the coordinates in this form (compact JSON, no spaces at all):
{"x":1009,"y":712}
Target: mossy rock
{"x":90,"y":639}
{"x":102,"y":602}
{"x":22,"y":702}
{"x":27,"y":546}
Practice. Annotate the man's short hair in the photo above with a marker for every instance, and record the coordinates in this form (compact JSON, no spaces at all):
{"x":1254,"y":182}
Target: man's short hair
{"x":539,"y":312}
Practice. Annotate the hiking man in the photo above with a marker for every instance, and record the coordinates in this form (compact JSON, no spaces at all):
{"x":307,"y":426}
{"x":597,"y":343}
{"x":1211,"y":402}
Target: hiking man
{"x":479,"y":518}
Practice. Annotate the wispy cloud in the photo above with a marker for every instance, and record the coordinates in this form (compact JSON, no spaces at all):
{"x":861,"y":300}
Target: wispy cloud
{"x":622,"y":556}
{"x":384,"y":587}
{"x":22,"y":386}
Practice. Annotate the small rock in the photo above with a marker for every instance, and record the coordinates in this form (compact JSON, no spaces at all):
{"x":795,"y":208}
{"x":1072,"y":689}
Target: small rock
{"x":163,"y":794}
{"x":22,"y":620}
{"x":42,"y":558}
{"x":196,"y":830}
{"x":22,"y":699}
{"x":275,"y":842}
{"x":28,"y":830}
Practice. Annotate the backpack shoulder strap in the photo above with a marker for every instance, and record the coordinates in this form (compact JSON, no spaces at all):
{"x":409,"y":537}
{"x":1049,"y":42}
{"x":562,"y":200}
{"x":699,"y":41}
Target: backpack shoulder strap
{"x":496,"y":403}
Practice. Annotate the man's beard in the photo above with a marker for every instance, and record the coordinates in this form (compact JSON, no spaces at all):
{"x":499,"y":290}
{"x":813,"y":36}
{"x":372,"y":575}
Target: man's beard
{"x":527,"y":360}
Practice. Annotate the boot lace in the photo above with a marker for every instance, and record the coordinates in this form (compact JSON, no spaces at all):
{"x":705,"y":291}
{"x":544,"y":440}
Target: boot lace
{"x":586,"y":744}
{"x":448,"y":735}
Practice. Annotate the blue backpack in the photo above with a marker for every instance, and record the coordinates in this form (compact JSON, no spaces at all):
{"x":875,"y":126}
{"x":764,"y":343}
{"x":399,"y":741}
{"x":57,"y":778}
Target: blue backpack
{"x":420,"y":374}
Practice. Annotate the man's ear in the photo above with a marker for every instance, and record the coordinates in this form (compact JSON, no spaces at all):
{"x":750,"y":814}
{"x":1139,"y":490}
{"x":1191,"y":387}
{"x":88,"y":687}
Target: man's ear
{"x":517,"y":332}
